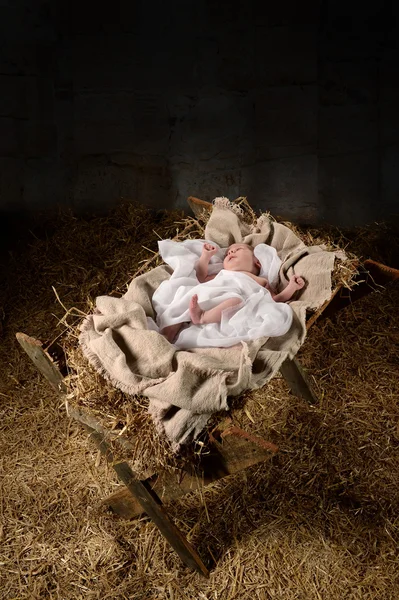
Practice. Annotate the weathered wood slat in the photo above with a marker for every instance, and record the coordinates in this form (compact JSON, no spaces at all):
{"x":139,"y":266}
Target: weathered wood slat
{"x":297,"y":381}
{"x":42,"y":361}
{"x":198,"y":206}
{"x":231,"y":451}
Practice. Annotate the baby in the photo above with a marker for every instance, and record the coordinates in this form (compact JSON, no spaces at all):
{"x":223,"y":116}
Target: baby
{"x":241,"y":258}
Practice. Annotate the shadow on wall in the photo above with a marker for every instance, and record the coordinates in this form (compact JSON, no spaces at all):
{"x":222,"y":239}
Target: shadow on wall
{"x":272,"y":102}
{"x":99,"y":180}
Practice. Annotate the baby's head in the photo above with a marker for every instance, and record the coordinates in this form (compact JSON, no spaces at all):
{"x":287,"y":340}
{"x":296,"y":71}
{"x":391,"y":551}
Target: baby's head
{"x":240,"y":257}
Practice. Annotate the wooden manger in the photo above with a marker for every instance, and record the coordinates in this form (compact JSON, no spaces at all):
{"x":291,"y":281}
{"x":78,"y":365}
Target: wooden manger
{"x":231,"y":449}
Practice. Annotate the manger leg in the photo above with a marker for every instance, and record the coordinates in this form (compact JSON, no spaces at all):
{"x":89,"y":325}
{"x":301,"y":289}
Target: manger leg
{"x":42,"y":361}
{"x":151,"y":504}
{"x":297,"y":380}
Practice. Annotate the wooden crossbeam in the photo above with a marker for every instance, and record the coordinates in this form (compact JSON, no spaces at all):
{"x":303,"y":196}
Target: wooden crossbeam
{"x":199,"y":206}
{"x":231,"y":451}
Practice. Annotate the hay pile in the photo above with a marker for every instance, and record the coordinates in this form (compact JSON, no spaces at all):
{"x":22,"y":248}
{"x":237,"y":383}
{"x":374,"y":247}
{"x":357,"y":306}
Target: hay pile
{"x":319,"y":521}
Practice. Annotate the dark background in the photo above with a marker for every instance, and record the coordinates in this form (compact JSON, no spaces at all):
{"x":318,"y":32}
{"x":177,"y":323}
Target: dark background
{"x":293,"y":104}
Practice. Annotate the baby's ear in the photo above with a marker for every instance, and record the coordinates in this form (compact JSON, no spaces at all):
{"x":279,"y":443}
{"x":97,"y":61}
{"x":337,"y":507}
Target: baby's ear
{"x":257,"y":263}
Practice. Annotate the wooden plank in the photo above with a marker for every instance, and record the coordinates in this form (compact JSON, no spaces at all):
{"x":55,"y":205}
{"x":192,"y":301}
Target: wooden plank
{"x":323,"y":310}
{"x":296,"y":378}
{"x":231,"y":451}
{"x":381,"y":274}
{"x":151,"y":505}
{"x":123,"y":504}
{"x":199,"y":206}
{"x":42,"y":361}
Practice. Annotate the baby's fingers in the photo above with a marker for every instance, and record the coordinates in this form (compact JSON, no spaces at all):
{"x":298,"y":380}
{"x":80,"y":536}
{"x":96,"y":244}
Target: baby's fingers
{"x":299,"y":281}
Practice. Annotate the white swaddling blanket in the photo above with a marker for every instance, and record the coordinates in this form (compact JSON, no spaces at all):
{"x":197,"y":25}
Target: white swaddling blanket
{"x":257,"y":315}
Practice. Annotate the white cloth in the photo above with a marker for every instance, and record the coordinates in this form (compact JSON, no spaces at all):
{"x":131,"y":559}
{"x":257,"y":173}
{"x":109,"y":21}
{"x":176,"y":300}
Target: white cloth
{"x":258,"y":315}
{"x":270,"y":263}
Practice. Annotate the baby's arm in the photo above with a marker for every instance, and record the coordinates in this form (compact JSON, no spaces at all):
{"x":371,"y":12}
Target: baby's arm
{"x":295,"y":283}
{"x":201,"y":268}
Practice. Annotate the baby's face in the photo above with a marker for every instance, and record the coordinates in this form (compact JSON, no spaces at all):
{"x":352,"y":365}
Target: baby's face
{"x":240,"y":257}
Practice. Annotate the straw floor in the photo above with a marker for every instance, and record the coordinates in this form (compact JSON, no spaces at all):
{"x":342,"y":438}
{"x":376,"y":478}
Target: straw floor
{"x":320,"y":521}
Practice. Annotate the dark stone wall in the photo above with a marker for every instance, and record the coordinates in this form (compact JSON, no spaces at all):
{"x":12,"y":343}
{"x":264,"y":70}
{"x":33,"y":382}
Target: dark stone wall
{"x":294,"y":105}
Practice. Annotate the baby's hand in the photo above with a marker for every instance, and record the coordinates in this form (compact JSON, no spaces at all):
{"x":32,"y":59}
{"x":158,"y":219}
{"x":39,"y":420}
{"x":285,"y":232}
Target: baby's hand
{"x":209,"y":250}
{"x":297,"y":282}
